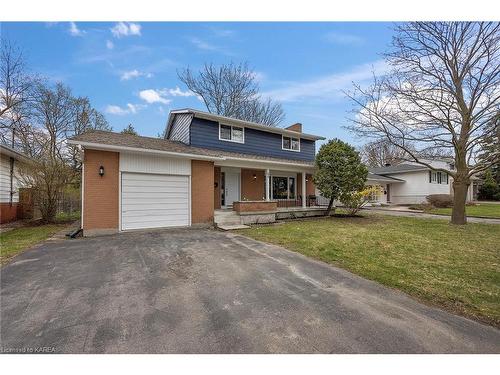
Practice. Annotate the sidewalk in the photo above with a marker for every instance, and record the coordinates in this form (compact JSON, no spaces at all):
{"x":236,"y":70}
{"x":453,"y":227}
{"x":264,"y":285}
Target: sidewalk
{"x":421,"y":214}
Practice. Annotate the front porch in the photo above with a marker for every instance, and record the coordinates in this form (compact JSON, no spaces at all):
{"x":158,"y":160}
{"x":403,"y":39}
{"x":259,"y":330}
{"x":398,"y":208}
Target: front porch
{"x":284,"y":187}
{"x":249,"y":195}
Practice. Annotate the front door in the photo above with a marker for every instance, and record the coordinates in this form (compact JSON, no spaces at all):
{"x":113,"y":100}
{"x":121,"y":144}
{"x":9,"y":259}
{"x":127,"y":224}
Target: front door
{"x":231,"y":188}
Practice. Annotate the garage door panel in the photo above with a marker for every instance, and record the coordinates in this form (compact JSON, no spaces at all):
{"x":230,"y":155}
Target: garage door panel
{"x":158,"y":184}
{"x":150,"y":204}
{"x":154,"y":201}
{"x":154,"y":189}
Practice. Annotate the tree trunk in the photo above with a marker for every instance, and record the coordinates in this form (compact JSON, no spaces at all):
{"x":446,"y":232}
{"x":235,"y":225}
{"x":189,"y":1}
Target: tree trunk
{"x":460,"y":188}
{"x":329,"y":209}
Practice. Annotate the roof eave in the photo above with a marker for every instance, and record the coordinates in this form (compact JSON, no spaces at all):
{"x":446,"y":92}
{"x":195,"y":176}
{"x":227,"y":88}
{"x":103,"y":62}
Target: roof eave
{"x":117,"y":148}
{"x":6,"y":150}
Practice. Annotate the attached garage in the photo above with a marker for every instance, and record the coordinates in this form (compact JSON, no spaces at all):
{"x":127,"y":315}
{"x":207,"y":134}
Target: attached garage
{"x":154,"y":192}
{"x":154,"y":201}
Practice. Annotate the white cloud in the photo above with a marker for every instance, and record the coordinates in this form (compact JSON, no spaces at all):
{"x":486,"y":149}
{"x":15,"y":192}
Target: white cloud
{"x":223,"y":33}
{"x":134,"y":74}
{"x":153,"y":96}
{"x":345,"y":39}
{"x":201,"y":44}
{"x":327,"y":87}
{"x":178,"y":92}
{"x":126,"y":29}
{"x":74,"y":30}
{"x":121,"y":111}
{"x":109,"y":44}
{"x":259,"y":76}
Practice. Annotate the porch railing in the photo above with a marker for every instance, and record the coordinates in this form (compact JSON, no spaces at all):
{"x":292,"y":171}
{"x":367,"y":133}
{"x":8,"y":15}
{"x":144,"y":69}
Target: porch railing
{"x":311,"y":201}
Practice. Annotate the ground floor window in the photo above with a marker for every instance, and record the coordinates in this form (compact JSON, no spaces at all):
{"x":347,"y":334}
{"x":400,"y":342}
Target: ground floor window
{"x":283,"y":187}
{"x":438,"y":178}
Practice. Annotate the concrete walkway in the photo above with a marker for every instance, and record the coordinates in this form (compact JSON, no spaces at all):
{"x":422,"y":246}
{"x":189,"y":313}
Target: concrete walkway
{"x":419,"y":214}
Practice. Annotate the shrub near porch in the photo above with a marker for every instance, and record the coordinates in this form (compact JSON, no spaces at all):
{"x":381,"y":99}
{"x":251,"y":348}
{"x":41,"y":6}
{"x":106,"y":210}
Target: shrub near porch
{"x":457,"y":268}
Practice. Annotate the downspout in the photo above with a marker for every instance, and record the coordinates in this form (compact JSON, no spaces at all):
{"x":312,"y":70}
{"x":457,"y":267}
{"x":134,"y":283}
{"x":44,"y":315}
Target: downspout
{"x":11,"y":199}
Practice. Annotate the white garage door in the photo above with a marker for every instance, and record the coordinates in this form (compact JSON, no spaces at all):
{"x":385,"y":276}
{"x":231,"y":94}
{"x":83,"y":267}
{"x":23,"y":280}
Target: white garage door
{"x":154,"y":201}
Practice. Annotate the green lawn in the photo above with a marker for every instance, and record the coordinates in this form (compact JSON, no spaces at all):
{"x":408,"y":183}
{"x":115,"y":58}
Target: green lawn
{"x":454,"y":267}
{"x":16,"y":240}
{"x":481,"y":209}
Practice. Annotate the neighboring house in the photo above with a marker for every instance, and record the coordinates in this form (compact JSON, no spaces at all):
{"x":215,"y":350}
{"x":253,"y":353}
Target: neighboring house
{"x":410,"y":183}
{"x":10,"y":160}
{"x":206,"y":162}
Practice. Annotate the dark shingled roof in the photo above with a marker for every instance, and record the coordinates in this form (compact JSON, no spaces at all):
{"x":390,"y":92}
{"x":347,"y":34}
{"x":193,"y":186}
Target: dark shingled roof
{"x":397,"y":169}
{"x":149,"y":143}
{"x":377,"y":177}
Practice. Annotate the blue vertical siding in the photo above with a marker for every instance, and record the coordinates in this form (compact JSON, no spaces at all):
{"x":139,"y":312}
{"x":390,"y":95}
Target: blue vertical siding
{"x":205,"y":133}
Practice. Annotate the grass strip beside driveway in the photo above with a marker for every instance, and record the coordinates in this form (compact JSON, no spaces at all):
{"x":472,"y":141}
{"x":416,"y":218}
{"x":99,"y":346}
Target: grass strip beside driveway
{"x":454,"y":267}
{"x":17,"y":240}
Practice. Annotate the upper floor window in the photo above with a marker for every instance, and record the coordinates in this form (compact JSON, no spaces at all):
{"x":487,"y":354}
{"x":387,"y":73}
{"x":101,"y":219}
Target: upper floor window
{"x":290,"y":143}
{"x":231,"y":133}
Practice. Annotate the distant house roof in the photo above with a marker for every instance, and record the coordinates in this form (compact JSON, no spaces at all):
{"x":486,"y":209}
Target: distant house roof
{"x":380,"y":178}
{"x":117,"y":141}
{"x":9,"y":151}
{"x":400,"y":168}
{"x":234,"y":121}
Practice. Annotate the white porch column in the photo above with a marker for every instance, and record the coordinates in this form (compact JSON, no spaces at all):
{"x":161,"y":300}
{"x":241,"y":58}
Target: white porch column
{"x":304,"y":192}
{"x":267,"y":185}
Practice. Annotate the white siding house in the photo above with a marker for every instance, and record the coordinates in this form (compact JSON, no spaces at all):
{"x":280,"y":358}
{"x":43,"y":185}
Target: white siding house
{"x":9,"y":182}
{"x":413,"y":182}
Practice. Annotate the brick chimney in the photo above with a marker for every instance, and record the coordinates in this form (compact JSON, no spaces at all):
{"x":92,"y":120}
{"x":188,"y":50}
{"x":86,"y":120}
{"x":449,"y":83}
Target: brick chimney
{"x":295,"y":127}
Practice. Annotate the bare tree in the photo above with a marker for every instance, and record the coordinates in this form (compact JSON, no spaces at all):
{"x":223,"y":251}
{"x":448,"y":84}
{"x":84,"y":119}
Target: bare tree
{"x":47,"y":178}
{"x":54,"y":112}
{"x":231,"y":90}
{"x":382,"y":152}
{"x":55,"y":116}
{"x":441,"y":94}
{"x":15,"y":90}
{"x":85,"y":118}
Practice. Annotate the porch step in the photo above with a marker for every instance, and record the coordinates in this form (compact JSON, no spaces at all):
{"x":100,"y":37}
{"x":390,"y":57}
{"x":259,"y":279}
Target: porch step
{"x":232,"y":227}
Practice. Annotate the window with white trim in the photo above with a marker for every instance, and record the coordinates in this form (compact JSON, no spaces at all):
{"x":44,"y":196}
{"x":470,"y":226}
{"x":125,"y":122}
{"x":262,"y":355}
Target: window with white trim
{"x":438,"y":178}
{"x":290,"y":143}
{"x":231,"y":133}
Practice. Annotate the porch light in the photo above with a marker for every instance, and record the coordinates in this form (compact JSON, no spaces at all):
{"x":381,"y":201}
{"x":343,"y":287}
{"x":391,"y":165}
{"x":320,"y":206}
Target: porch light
{"x":101,"y":171}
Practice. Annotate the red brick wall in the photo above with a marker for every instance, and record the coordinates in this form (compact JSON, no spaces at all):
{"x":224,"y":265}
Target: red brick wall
{"x":252,"y":189}
{"x":295,"y":127}
{"x":101,"y":194}
{"x":202,"y":192}
{"x":310,"y":188}
{"x":254,"y":206}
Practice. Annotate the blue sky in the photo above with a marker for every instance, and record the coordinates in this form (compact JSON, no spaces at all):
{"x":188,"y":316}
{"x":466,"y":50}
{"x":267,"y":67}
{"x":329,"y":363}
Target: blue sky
{"x":129,"y":70}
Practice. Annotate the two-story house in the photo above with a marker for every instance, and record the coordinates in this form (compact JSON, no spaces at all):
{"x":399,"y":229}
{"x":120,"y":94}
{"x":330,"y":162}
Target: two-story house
{"x":205,"y":163}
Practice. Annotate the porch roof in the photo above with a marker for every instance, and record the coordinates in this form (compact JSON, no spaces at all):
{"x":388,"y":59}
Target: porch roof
{"x":384,"y":179}
{"x":98,"y":139}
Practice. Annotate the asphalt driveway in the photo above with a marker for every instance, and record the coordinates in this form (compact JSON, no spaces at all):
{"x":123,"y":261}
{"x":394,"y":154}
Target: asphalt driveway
{"x":203,"y":291}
